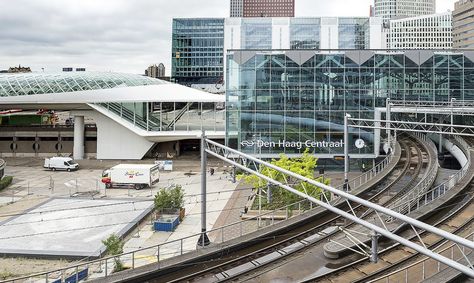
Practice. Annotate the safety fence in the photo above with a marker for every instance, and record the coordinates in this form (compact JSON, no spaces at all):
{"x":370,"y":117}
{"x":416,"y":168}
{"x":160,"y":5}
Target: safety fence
{"x":50,"y":186}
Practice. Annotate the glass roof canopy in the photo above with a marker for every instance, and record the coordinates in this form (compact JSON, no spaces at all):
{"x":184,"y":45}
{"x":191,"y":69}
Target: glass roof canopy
{"x":42,"y":83}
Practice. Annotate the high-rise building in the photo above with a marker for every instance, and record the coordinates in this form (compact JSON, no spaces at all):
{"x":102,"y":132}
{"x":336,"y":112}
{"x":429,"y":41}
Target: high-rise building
{"x":237,"y":8}
{"x":304,"y":33}
{"x":395,"y":9}
{"x":423,"y":32}
{"x":463,"y":24}
{"x":155,"y":71}
{"x":262,"y":8}
{"x":197,"y":50}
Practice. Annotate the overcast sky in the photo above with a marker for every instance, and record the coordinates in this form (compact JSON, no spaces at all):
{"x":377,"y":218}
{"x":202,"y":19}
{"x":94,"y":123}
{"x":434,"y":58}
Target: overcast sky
{"x":119,"y":35}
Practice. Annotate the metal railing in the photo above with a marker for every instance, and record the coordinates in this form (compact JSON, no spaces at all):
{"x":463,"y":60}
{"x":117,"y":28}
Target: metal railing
{"x":404,"y":204}
{"x":49,"y":186}
{"x":373,"y":172}
{"x":2,"y":167}
{"x":426,"y":197}
{"x":104,"y":267}
{"x":435,"y":104}
{"x":427,"y":266}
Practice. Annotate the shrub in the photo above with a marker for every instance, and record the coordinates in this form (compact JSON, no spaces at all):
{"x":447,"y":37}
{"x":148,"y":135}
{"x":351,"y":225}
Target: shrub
{"x":169,"y":199}
{"x":5,"y":182}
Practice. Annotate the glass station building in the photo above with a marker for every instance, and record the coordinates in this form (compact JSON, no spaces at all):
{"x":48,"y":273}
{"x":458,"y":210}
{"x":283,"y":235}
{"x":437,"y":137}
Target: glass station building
{"x":290,"y":100}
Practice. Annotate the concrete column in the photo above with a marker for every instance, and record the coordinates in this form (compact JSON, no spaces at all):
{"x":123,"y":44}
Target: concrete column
{"x":78,"y":151}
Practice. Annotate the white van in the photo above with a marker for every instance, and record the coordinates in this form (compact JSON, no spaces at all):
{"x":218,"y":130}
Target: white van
{"x":60,"y":163}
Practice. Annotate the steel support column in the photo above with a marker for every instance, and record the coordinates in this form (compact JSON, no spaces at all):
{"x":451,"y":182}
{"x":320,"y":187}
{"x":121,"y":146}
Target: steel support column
{"x":203,"y":239}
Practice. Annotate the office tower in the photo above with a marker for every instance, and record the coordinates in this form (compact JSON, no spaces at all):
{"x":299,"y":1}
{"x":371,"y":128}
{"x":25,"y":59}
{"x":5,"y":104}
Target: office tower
{"x":236,"y":8}
{"x":463,"y":24}
{"x":423,"y":32}
{"x":396,"y":9}
{"x":262,"y":8}
{"x":197,"y":50}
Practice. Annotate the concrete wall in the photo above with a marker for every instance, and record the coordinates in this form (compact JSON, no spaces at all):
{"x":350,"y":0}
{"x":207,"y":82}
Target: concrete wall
{"x":115,"y":141}
{"x":49,"y":142}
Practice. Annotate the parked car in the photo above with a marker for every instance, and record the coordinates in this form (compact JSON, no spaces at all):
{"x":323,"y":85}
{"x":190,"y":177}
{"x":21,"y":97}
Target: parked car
{"x":60,"y":163}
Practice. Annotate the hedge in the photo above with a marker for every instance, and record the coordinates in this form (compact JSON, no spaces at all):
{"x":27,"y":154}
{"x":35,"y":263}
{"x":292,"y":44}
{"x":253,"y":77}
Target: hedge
{"x":5,"y":182}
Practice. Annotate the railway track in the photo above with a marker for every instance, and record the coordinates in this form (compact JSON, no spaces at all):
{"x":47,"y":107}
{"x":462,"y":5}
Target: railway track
{"x":454,"y":217}
{"x":275,"y":249}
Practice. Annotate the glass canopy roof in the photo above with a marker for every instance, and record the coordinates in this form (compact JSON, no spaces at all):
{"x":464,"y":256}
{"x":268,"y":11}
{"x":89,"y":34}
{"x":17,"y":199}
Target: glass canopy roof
{"x":41,"y":83}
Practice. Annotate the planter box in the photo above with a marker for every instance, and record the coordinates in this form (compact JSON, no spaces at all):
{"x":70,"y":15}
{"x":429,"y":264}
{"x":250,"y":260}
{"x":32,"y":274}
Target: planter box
{"x":166,"y":223}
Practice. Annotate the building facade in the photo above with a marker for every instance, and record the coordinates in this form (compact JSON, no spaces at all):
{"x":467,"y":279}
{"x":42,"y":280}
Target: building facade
{"x":262,"y":8}
{"x":237,"y":8}
{"x":304,"y":33}
{"x":197,"y":50}
{"x":155,"y":71}
{"x":463,"y":24}
{"x":423,"y":32}
{"x":393,"y":9}
{"x":287,"y":101}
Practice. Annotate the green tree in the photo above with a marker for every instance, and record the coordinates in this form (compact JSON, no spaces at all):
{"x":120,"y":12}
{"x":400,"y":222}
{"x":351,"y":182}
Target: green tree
{"x":304,"y":166}
{"x":114,"y":246}
{"x":169,"y":199}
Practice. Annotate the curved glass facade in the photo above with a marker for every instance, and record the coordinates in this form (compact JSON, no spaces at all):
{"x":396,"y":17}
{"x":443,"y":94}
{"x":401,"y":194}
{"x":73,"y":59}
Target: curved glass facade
{"x":287,"y":101}
{"x":41,"y":83}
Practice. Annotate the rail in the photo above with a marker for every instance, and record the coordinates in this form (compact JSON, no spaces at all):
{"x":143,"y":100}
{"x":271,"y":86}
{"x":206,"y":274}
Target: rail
{"x":427,"y":197}
{"x":429,"y":267}
{"x":156,"y":253}
{"x":372,"y":173}
{"x":404,"y":204}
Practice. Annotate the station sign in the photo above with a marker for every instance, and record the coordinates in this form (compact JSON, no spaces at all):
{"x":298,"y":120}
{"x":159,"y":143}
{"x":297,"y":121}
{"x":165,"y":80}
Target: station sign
{"x":292,"y":144}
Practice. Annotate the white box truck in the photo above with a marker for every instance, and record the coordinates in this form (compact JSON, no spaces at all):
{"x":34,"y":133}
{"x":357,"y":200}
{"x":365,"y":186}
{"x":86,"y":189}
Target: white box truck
{"x":60,"y":163}
{"x":136,"y":176}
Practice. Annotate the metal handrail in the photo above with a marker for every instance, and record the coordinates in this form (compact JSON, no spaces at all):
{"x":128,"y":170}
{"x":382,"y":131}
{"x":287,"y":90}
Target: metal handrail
{"x":372,"y":173}
{"x":158,"y":247}
{"x":418,"y":104}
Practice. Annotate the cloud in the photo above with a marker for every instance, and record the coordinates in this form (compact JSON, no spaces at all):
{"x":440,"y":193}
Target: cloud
{"x":118,"y":35}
